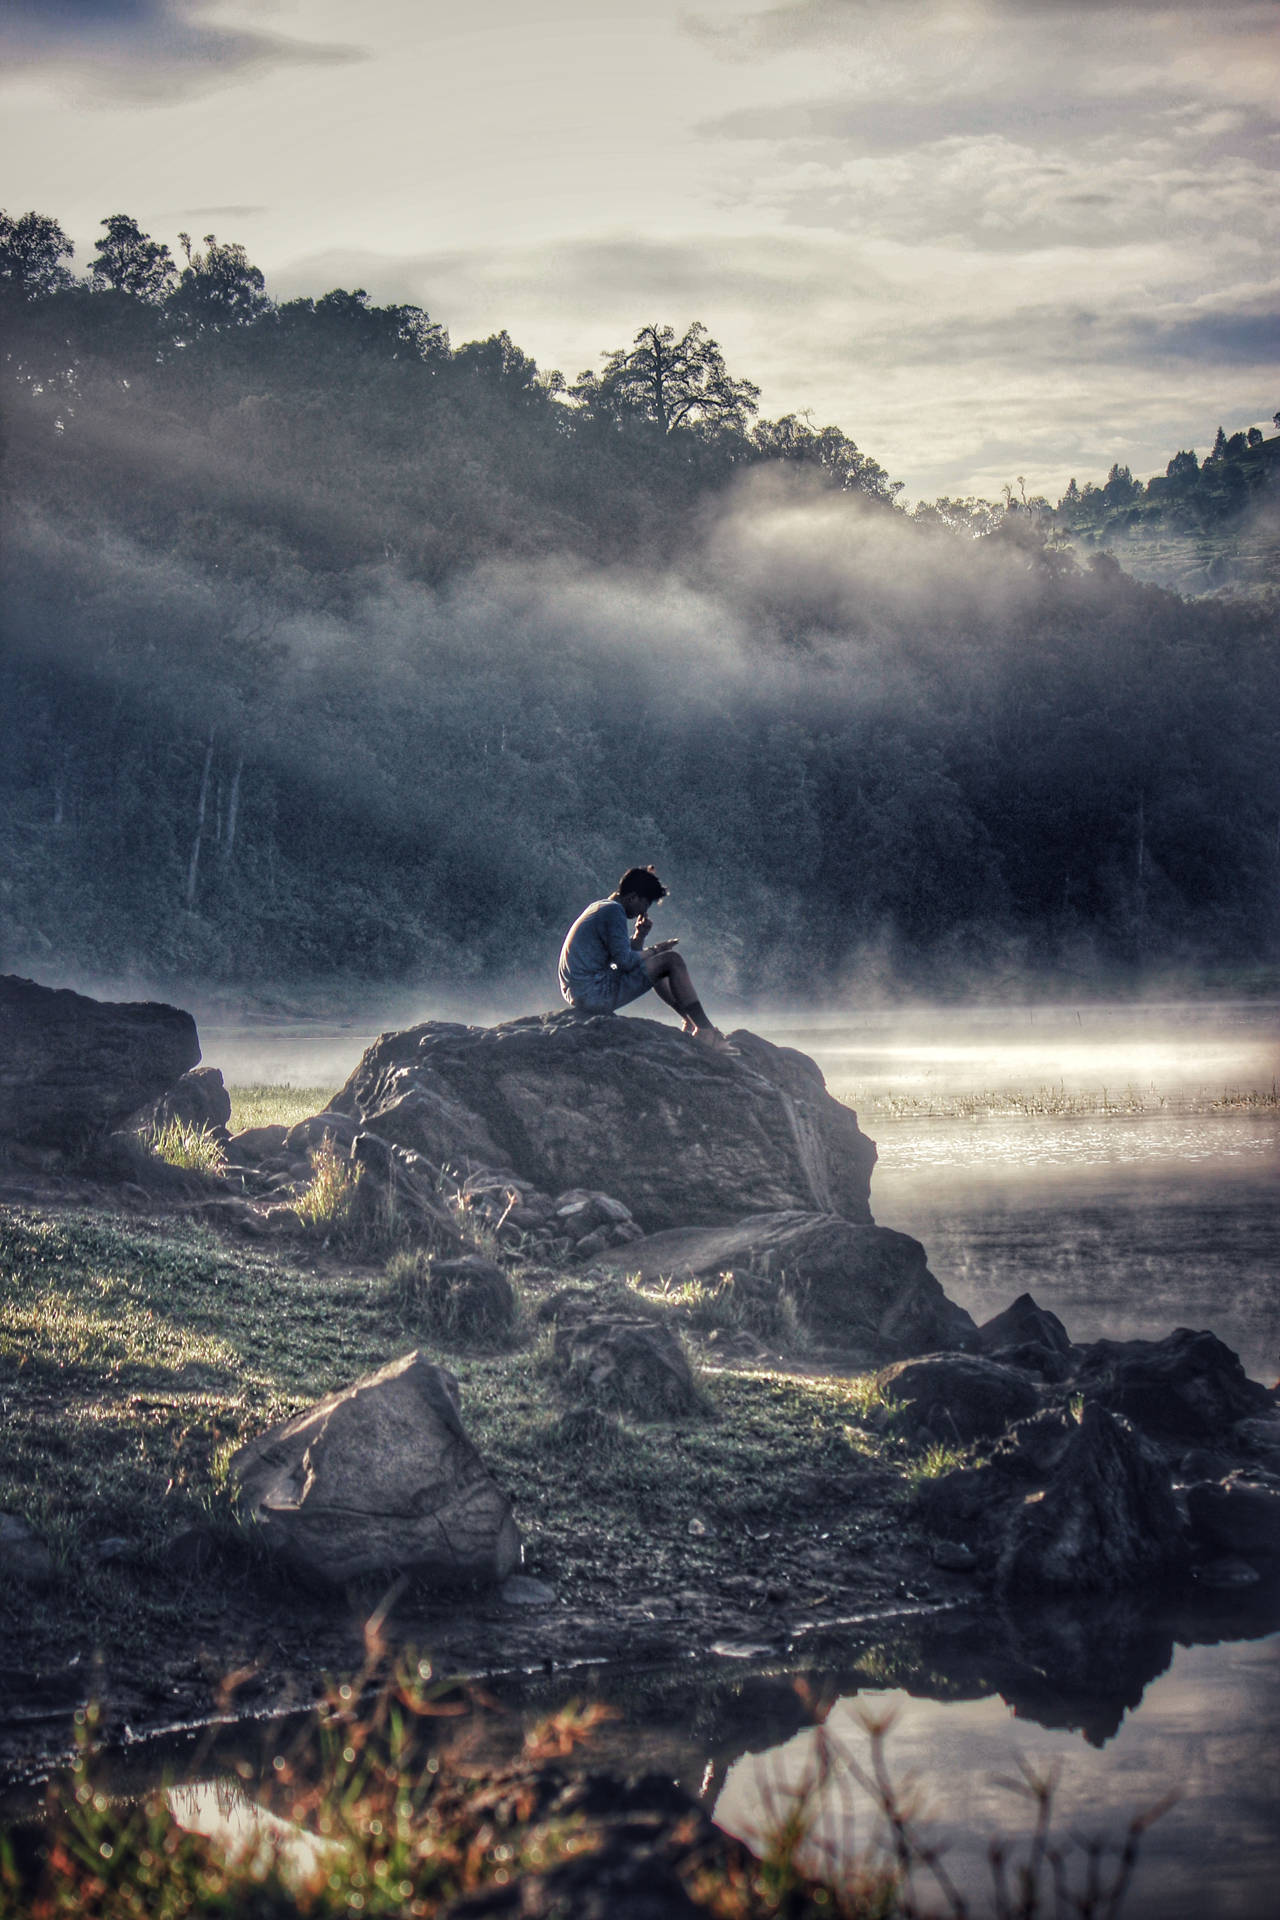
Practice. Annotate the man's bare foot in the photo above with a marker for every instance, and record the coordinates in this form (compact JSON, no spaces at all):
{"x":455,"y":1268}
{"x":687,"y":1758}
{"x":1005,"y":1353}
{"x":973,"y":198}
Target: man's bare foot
{"x":713,"y":1038}
{"x":688,"y":1026}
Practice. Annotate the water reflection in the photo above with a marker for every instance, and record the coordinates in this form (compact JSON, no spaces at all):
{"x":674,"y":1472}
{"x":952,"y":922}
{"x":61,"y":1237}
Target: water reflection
{"x":1205,"y":1728}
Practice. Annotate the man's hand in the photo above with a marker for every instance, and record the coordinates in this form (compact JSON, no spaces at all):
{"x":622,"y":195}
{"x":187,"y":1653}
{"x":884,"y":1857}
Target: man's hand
{"x":663,"y":946}
{"x":644,"y":925}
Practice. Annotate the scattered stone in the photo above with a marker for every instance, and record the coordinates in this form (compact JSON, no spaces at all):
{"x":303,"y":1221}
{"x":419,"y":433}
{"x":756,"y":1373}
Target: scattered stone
{"x":633,"y":1366}
{"x":1105,"y":1519}
{"x":522,"y":1591}
{"x":1186,"y":1387}
{"x":24,"y":1557}
{"x":958,"y":1396}
{"x":856,"y":1284}
{"x":628,"y":1108}
{"x":1228,"y":1575}
{"x":376,"y":1479}
{"x":72,"y":1068}
{"x":1235,"y":1517}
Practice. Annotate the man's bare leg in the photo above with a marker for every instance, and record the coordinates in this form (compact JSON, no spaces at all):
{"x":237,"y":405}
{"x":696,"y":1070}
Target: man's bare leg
{"x":671,"y":981}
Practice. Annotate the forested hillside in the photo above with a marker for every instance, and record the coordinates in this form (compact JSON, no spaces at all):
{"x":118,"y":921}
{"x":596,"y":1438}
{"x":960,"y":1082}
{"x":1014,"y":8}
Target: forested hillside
{"x":333,"y":649}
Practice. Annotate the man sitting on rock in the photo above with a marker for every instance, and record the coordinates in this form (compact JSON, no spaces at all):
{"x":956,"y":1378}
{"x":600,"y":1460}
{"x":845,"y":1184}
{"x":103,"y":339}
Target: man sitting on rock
{"x":603,"y":966}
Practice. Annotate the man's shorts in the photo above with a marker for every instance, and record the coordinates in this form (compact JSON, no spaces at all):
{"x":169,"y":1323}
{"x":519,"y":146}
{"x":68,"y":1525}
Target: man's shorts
{"x":612,"y":990}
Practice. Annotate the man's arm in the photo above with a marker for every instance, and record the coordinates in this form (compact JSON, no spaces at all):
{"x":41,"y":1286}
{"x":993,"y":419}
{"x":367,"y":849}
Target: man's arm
{"x":617,"y":938}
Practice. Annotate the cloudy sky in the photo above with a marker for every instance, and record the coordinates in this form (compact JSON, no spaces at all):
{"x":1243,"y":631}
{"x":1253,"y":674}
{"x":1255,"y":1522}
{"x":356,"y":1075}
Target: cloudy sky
{"x":985,"y":237}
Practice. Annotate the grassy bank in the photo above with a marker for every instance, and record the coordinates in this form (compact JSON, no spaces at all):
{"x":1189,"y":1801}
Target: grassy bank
{"x":135,"y":1355}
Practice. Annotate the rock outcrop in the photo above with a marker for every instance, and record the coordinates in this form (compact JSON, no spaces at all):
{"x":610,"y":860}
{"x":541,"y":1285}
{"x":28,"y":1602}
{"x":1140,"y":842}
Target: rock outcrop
{"x":379,"y":1479}
{"x":1187,"y":1387}
{"x":957,"y":1397}
{"x":681,"y":1136}
{"x":855,"y":1284}
{"x":1063,"y":1506}
{"x":1104,"y":1520}
{"x":72,"y":1068}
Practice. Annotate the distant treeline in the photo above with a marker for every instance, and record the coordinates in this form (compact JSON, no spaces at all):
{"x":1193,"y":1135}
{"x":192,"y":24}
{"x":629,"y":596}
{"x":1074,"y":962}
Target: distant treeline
{"x":332,"y":648}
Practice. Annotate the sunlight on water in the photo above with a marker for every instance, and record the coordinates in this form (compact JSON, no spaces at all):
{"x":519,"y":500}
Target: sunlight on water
{"x":1205,"y":1729}
{"x":245,"y":1832}
{"x":1007,"y":1145}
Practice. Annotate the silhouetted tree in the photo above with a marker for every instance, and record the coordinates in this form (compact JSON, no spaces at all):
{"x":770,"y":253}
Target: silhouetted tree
{"x":674,"y":383}
{"x":131,"y":261}
{"x":219,"y":287}
{"x":32,"y":250}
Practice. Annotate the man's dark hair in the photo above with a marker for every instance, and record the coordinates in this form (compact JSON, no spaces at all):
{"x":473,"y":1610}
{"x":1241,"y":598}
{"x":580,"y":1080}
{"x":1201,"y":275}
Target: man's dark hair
{"x":644,"y":881}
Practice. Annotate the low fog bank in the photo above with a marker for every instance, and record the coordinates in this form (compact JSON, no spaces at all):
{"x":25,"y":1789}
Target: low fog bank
{"x":870,"y":758}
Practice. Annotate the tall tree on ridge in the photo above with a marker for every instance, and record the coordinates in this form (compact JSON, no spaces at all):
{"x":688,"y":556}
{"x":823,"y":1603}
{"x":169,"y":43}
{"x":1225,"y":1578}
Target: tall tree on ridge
{"x":674,"y":383}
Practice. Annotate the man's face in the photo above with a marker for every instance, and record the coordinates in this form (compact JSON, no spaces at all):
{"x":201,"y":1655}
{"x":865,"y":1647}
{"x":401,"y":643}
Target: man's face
{"x":634,"y":903}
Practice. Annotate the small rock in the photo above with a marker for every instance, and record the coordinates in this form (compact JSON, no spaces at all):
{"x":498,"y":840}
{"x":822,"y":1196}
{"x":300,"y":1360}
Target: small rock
{"x":1228,"y":1574}
{"x":470,"y":1296}
{"x":1203,"y":1463}
{"x":589,"y":1430}
{"x":1261,"y":1435}
{"x":522,"y":1591}
{"x":633,"y":1366}
{"x":697,"y":1527}
{"x":958,"y":1396}
{"x":1236,"y":1517}
{"x":113,"y":1549}
{"x":198,"y":1099}
{"x":258,"y":1144}
{"x":23,"y":1554}
{"x":953,"y":1556}
{"x":1024,"y":1324}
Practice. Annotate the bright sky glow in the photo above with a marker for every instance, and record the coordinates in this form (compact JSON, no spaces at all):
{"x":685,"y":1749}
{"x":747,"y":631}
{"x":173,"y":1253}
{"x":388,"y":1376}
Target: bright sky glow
{"x":985,"y":237}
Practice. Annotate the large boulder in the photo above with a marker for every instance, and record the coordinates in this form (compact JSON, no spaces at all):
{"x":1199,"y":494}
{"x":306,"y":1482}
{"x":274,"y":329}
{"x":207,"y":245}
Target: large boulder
{"x":379,"y":1478}
{"x":72,"y":1068}
{"x":1105,"y":1519}
{"x":1184,"y":1388}
{"x":854,"y":1283}
{"x":681,"y":1135}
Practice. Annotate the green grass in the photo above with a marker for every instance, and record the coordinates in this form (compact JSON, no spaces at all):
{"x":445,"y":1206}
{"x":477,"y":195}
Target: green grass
{"x":195,"y":1148}
{"x":325,"y":1203}
{"x":275,"y":1106}
{"x":729,"y":1305}
{"x":133,"y":1358}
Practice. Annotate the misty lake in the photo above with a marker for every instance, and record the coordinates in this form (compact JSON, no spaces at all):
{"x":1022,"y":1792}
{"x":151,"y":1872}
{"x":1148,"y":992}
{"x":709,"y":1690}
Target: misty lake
{"x":1121,"y":1163}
